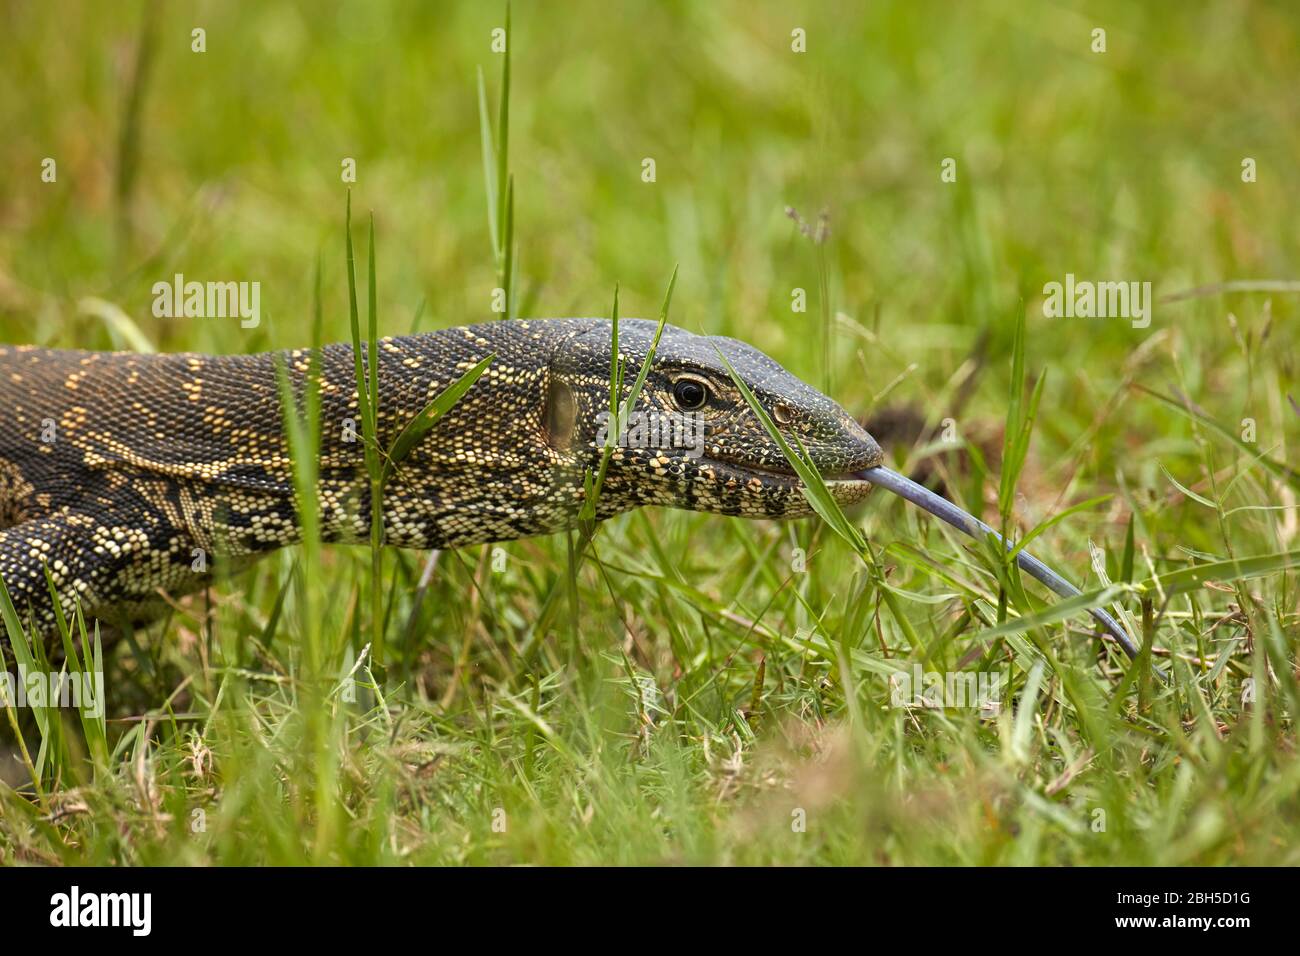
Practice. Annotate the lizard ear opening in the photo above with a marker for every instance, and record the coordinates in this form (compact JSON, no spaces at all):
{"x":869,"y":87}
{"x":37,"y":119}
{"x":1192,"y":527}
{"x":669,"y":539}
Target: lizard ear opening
{"x":560,"y":414}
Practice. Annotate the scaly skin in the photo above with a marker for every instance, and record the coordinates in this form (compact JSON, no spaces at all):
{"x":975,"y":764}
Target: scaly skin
{"x":125,"y":472}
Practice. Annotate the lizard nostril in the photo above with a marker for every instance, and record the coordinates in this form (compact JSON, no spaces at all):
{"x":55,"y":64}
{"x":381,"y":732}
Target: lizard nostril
{"x":782,"y":413}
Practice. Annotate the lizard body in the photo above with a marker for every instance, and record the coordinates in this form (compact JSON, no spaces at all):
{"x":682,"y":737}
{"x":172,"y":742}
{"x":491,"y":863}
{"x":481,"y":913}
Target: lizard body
{"x":125,"y":472}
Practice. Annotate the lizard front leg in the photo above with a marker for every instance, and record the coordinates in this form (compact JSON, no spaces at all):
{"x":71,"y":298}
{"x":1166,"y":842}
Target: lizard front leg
{"x":104,"y":565}
{"x":59,"y":542}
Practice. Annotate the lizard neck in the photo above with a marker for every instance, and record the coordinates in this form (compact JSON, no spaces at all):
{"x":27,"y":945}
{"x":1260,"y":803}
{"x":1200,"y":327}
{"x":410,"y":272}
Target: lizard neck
{"x":487,"y":471}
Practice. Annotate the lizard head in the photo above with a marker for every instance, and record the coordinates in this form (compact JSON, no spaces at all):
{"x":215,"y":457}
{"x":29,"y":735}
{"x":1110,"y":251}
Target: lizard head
{"x":692,"y":440}
{"x":696,"y":442}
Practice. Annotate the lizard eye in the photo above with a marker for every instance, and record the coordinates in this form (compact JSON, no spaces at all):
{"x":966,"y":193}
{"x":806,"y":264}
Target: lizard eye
{"x":782,"y":413}
{"x":690,"y":394}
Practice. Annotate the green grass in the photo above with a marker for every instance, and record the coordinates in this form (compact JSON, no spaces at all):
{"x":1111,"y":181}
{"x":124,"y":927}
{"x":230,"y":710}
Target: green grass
{"x":674,"y":690}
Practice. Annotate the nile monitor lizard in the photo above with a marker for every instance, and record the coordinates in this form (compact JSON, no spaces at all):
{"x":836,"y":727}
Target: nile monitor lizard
{"x":127,"y":474}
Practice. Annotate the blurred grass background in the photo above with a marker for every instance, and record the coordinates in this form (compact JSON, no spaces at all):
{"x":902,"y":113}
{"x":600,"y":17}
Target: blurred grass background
{"x":641,"y":736}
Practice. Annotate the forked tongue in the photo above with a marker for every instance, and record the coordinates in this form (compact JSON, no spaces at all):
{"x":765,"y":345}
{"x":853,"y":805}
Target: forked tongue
{"x":945,"y":510}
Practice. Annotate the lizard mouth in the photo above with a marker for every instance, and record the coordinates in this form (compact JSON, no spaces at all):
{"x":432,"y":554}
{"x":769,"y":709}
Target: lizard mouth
{"x":780,"y":475}
{"x":786,"y":480}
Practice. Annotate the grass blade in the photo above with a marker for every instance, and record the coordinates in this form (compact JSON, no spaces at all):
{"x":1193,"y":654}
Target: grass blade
{"x":419,"y":426}
{"x":1280,"y":470}
{"x":489,"y":162}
